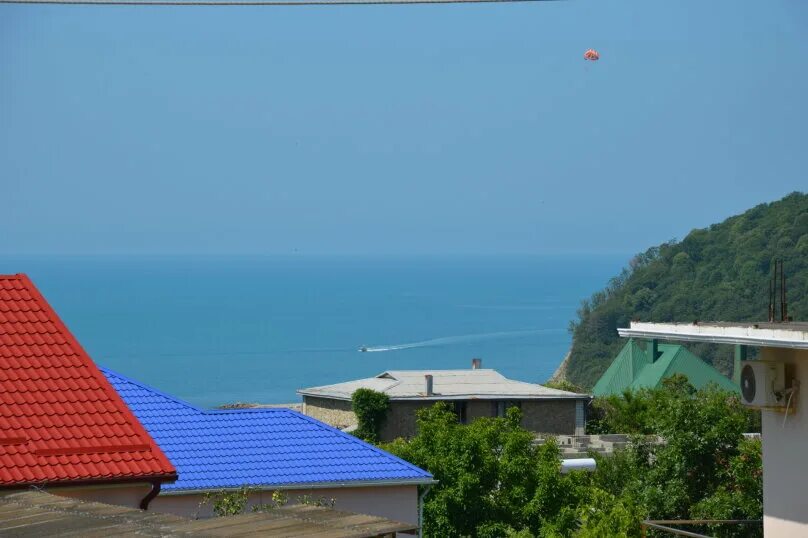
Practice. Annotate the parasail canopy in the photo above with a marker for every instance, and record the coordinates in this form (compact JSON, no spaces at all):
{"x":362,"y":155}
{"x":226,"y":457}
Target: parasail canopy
{"x":592,"y":55}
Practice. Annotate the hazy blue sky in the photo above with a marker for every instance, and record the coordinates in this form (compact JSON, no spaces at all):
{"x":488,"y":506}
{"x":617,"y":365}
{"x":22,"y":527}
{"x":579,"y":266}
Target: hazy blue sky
{"x":414,"y":129}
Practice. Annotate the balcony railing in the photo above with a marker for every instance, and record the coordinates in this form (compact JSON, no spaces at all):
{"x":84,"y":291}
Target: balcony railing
{"x":664,"y":525}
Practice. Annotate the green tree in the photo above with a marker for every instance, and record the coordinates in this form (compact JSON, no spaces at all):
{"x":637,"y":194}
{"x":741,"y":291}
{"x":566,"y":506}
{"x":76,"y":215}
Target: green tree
{"x":495,"y":481}
{"x":604,"y":514}
{"x":740,"y":493}
{"x":703,"y":468}
{"x":563,"y":384}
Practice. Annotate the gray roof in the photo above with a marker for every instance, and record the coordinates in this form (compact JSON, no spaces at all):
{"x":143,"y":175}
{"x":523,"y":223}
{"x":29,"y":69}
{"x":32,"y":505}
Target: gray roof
{"x":483,"y":384}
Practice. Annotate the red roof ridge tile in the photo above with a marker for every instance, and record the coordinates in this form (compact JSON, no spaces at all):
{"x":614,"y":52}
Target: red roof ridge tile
{"x":103,"y":449}
{"x":19,"y":440}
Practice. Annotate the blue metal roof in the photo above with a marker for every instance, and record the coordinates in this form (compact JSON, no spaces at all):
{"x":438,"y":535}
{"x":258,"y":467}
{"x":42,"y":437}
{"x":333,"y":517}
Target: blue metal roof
{"x":255,"y":447}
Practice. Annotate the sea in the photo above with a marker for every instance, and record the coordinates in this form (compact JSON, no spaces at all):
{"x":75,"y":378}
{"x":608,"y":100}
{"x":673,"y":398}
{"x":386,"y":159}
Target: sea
{"x":216,"y":330}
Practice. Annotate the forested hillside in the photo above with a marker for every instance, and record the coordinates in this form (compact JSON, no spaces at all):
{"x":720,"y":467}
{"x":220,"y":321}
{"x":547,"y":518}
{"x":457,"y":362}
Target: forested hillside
{"x":717,"y":273}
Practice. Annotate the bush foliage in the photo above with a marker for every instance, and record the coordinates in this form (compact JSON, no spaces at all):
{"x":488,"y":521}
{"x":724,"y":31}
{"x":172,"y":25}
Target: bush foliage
{"x":716,"y":273}
{"x":370,"y":408}
{"x":233,"y":502}
{"x":495,"y":481}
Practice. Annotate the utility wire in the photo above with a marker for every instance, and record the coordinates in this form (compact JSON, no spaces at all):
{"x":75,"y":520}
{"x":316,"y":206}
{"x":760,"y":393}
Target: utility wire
{"x":198,"y":3}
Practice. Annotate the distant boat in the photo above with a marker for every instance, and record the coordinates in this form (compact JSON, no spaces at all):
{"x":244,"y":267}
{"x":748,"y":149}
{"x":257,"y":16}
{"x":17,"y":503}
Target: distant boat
{"x":363,"y":349}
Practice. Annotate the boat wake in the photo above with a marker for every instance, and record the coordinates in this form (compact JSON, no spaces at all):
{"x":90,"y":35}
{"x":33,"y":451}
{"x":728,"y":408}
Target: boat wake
{"x":448,"y":340}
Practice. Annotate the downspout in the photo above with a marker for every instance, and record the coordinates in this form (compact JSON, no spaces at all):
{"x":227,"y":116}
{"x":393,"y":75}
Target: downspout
{"x":155,"y":491}
{"x":421,"y":510}
{"x":740,"y":355}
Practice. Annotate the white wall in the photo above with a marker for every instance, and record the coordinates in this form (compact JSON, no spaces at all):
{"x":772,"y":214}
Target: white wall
{"x":399,"y":503}
{"x":128,"y":495}
{"x":785,"y":457}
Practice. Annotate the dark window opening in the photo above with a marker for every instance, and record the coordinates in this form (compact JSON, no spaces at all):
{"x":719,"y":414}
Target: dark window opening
{"x":501,"y":407}
{"x":460,"y":411}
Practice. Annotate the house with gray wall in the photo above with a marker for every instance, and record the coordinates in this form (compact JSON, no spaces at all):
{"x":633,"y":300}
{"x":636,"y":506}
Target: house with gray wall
{"x":473,"y":393}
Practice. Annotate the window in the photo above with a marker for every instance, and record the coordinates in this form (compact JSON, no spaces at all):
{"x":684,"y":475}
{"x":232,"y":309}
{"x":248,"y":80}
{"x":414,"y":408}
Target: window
{"x":501,"y":407}
{"x":460,"y":411}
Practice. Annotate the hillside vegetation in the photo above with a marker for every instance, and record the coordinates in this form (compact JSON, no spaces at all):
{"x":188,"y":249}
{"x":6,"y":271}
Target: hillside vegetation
{"x":718,"y":273}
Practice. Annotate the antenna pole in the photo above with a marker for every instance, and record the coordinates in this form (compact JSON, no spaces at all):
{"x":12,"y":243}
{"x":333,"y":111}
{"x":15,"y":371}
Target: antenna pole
{"x":772,"y":296}
{"x":783,"y":301}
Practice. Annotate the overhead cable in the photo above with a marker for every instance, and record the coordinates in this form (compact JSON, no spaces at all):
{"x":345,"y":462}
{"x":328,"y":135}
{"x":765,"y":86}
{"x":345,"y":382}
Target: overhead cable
{"x":276,"y":3}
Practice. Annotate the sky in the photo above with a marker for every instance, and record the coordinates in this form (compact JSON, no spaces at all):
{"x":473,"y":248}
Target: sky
{"x":404,"y":130}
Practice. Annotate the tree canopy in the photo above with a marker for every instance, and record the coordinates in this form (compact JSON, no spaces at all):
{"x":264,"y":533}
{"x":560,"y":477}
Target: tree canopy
{"x":717,"y":273}
{"x":495,"y":481}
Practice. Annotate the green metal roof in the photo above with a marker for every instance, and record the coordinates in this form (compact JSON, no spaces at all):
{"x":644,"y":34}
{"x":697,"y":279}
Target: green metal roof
{"x":633,"y":369}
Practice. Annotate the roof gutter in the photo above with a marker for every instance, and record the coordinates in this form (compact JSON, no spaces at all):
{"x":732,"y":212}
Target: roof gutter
{"x":309,"y":485}
{"x":92,"y":482}
{"x":421,"y":510}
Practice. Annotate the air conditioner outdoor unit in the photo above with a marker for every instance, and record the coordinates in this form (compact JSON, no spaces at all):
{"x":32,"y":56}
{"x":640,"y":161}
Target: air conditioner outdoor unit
{"x":763,"y":383}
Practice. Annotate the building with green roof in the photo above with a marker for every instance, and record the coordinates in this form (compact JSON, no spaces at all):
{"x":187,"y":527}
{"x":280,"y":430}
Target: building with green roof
{"x":637,"y":367}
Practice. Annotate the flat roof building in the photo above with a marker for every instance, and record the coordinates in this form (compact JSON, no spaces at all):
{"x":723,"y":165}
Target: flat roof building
{"x":474,"y":393}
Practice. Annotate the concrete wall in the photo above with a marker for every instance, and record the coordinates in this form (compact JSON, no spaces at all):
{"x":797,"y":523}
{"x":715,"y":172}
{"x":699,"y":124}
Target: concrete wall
{"x":399,"y":503}
{"x":785,"y":468}
{"x":337,"y":413}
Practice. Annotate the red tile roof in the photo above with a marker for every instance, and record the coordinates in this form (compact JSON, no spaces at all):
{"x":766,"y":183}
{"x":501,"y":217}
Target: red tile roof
{"x":60,"y":419}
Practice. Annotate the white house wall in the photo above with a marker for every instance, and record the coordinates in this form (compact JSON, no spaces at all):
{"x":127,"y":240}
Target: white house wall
{"x":128,"y":495}
{"x":399,"y":503}
{"x":785,"y":457}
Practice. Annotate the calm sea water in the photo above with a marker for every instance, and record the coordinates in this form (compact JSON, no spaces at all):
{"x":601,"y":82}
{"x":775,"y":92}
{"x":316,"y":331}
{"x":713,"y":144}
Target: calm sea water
{"x":220,"y":330}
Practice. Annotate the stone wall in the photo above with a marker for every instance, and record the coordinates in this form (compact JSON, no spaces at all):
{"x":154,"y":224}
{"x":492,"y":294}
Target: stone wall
{"x":401,"y":419}
{"x":549,"y":416}
{"x":540,"y":416}
{"x":336,"y":413}
{"x":479,"y":408}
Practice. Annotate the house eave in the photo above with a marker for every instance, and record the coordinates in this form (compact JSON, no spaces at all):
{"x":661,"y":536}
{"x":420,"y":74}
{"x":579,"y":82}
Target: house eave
{"x":717,"y":334}
{"x":92,"y":482}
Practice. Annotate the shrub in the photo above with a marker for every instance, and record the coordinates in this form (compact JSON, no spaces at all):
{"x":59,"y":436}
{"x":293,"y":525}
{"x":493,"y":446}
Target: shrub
{"x":370,"y":408}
